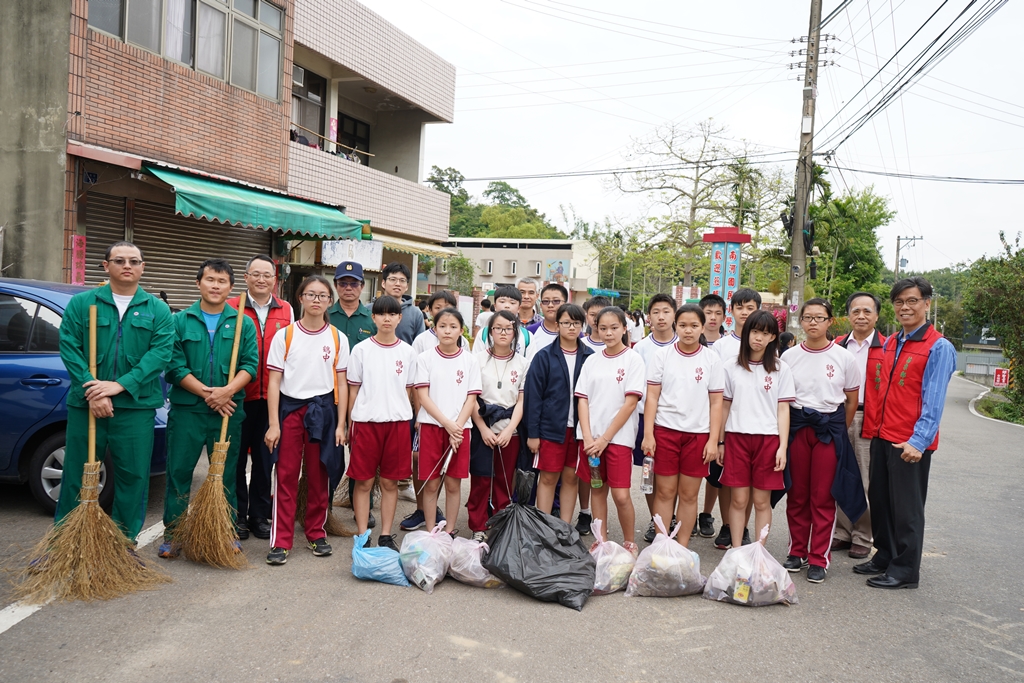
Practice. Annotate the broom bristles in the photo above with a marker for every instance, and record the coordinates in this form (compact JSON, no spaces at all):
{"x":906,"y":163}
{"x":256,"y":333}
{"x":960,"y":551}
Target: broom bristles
{"x":205,"y":532}
{"x":85,"y":557}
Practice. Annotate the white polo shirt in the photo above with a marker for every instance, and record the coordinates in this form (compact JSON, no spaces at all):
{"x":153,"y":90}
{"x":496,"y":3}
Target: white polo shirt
{"x":311,"y":364}
{"x":596,"y":345}
{"x":423,"y":341}
{"x":648,"y":347}
{"x":822,"y":376}
{"x":383,"y":374}
{"x":605,"y":381}
{"x":450,"y":380}
{"x":539,"y":340}
{"x":728,"y":348}
{"x":510,"y":372}
{"x":860,"y":351}
{"x":572,"y":360}
{"x":755,"y":396}
{"x":686,"y":379}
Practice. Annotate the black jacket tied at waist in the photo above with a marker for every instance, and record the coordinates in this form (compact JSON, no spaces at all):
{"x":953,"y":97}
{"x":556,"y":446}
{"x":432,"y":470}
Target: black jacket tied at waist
{"x":847,"y":487}
{"x":481,"y":456}
{"x":321,"y":422}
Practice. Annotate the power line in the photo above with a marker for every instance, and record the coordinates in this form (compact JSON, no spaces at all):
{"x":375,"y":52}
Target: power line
{"x":936,"y":178}
{"x":834,"y":13}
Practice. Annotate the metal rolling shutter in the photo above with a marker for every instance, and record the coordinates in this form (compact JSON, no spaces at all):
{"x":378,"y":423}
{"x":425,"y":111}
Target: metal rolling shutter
{"x":104,"y":225}
{"x":175,"y":246}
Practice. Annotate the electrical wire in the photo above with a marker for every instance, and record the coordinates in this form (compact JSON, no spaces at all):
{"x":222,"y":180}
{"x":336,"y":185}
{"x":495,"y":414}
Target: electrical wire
{"x":936,"y":178}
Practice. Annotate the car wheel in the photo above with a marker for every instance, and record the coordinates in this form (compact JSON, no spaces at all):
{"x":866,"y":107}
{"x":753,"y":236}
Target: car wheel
{"x":46,"y":469}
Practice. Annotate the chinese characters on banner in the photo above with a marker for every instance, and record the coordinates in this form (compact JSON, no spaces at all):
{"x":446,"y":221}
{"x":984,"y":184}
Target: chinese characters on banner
{"x":726,"y":249}
{"x":78,"y":260}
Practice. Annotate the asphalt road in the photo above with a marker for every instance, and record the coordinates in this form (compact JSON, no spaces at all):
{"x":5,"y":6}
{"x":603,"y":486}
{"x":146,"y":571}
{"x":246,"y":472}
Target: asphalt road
{"x":310,"y":620}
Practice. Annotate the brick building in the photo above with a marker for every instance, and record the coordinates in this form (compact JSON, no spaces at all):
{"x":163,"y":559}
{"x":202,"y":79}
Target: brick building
{"x":203,"y":128}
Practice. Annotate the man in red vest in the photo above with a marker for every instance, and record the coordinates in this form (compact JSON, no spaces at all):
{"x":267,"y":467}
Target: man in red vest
{"x":270,"y":315}
{"x":866,"y":344}
{"x":902,"y":418}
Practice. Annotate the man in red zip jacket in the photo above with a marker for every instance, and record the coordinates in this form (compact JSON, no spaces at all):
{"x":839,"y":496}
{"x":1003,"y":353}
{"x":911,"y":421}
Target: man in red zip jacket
{"x":866,"y":344}
{"x":270,"y":314}
{"x":902,"y":420}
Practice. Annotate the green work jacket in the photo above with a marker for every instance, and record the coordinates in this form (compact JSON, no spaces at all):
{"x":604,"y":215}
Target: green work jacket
{"x":131,"y":351}
{"x":357,"y":327}
{"x":192,"y":354}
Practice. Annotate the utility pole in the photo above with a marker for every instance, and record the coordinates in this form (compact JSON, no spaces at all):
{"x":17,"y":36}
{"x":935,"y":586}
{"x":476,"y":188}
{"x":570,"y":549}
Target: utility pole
{"x":804,"y":171}
{"x":900,"y":243}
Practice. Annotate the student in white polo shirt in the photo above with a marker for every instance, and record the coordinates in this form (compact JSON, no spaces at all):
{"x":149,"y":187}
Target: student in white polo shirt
{"x":437,"y":302}
{"x":380,"y":377}
{"x":506,"y":298}
{"x":551,"y":299}
{"x":592,"y":307}
{"x":758,"y":390}
{"x":447,"y":384}
{"x":827,"y":380}
{"x":611,"y":384}
{"x":685,"y":383}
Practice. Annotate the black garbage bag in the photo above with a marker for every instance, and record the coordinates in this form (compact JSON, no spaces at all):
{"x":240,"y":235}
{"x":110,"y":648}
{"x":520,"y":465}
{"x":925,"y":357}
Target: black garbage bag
{"x":538,"y":554}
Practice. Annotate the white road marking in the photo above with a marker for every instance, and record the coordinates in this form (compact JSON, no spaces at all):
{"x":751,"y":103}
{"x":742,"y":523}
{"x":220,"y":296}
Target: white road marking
{"x":17,"y":612}
{"x":974,"y":411}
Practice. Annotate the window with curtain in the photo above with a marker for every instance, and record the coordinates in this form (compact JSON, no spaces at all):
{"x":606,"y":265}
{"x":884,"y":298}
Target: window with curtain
{"x":211,"y":40}
{"x":268,"y":79}
{"x":179,"y":32}
{"x":243,"y":55}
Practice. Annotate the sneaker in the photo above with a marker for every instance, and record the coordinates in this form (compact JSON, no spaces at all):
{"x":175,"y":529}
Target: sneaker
{"x":479,"y":536}
{"x":407,"y":494}
{"x":746,"y":537}
{"x":454,"y":533}
{"x":724,"y":540}
{"x":371,"y":521}
{"x":583,"y":522}
{"x":706,"y":523}
{"x":794,"y":564}
{"x":169,"y":550}
{"x":816,"y":574}
{"x":320,"y":547}
{"x":413,"y":521}
{"x":387,"y":542}
{"x":242,"y":531}
{"x":650,"y":533}
{"x":438,"y":516}
{"x":277,"y":556}
{"x":633,"y":549}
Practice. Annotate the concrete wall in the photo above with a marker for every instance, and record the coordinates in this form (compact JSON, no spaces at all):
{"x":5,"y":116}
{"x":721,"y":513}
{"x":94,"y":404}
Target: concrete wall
{"x":583,"y":265}
{"x":34,"y":41}
{"x":397,"y":143}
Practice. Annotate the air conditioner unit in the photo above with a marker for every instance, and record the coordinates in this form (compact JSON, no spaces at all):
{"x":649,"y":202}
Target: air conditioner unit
{"x":488,"y":267}
{"x":442,"y":265}
{"x":512,"y":268}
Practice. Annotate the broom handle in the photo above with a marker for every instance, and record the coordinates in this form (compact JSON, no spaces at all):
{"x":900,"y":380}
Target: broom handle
{"x":92,"y":371}
{"x":234,"y":359}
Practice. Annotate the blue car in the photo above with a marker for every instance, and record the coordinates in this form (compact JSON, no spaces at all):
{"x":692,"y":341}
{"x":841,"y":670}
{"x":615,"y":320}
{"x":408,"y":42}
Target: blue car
{"x":33,"y":392}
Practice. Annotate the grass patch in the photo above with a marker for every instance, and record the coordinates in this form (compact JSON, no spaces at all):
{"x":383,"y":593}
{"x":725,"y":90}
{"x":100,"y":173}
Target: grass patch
{"x":996,"y":406}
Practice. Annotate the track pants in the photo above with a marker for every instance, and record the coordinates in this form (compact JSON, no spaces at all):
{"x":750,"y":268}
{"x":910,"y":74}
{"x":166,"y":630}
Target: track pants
{"x":488,"y":495}
{"x":810,"y":507}
{"x":295,"y":448}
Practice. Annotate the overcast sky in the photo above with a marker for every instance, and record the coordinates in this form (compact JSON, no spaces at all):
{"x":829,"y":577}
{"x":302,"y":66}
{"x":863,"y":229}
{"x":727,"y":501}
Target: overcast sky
{"x":628,"y":67}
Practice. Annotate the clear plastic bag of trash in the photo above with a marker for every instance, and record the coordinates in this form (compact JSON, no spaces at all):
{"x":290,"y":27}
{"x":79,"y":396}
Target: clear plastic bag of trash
{"x":665,"y":568}
{"x":426,"y":556}
{"x":749,"y":575}
{"x":614,"y":563}
{"x":376,"y":564}
{"x":467,"y":567}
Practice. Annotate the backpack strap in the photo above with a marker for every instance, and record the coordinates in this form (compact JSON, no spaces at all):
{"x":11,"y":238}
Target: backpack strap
{"x":289,"y":332}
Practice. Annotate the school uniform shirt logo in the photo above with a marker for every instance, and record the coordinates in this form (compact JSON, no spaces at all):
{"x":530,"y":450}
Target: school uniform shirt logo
{"x":459,"y":375}
{"x":698,"y":374}
{"x":620,"y":375}
{"x":830,"y":371}
{"x":768,"y":383}
{"x":399,"y":366}
{"x":514,"y":376}
{"x":327,"y":354}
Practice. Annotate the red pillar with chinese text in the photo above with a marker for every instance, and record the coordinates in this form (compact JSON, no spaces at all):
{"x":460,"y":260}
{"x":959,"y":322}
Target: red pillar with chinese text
{"x":726,"y":247}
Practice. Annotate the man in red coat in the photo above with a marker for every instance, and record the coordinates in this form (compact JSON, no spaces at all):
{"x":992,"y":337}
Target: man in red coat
{"x":270,"y":314}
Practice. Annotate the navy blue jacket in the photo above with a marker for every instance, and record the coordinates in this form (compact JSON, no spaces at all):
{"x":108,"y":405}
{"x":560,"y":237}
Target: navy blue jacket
{"x":546,"y":409}
{"x":847,"y":487}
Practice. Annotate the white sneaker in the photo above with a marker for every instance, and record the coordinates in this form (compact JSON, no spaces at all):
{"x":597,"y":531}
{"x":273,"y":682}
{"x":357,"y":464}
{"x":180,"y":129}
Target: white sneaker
{"x":407,"y":494}
{"x":479,"y":536}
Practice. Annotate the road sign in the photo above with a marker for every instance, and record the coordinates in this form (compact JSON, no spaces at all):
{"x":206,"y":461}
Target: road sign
{"x":1001,"y":378}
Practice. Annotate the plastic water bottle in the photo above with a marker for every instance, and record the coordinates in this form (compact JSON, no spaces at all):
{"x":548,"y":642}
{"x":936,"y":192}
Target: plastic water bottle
{"x":595,"y":472}
{"x":647,"y":480}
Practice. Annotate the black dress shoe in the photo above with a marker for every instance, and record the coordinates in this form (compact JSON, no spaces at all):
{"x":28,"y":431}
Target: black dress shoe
{"x":260,"y":528}
{"x":242,"y":530}
{"x":886,"y":581}
{"x":868,"y":568}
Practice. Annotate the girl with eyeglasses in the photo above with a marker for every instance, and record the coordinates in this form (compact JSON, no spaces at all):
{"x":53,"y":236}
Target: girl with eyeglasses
{"x":827,"y":381}
{"x":495,"y":439}
{"x":307,"y":400}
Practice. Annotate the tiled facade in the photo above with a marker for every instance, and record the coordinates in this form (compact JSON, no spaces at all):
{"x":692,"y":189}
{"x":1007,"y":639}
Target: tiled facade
{"x":391,"y":203}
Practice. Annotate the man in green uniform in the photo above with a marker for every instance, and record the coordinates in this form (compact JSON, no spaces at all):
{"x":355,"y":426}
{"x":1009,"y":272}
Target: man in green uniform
{"x":348,"y":314}
{"x":201,"y":396}
{"x":134,"y":337}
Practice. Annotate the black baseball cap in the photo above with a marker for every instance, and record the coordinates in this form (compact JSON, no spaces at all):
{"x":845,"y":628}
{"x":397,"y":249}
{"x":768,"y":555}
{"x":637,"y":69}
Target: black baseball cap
{"x":349,"y":269}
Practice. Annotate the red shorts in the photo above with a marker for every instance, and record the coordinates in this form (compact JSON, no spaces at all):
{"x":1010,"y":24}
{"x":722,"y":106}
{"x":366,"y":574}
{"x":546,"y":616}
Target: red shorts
{"x":386,"y":445}
{"x":750,"y":461}
{"x":616,"y":465}
{"x":678,"y":453}
{"x":434,"y":444}
{"x":555,"y":457}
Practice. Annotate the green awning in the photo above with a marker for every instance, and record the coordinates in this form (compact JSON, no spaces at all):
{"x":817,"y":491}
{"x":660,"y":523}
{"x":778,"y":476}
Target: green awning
{"x":214,"y":200}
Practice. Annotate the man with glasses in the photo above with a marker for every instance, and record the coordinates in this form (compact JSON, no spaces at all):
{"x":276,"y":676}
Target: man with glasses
{"x":348,"y":313}
{"x":270,"y":314}
{"x":528,"y":315}
{"x":134,"y":340}
{"x":546,"y":331}
{"x":396,"y":283}
{"x":905,"y":396}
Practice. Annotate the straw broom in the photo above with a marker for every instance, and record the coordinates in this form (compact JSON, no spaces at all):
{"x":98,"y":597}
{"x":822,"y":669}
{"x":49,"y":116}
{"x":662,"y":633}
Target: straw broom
{"x":86,"y":556}
{"x":206,"y":533}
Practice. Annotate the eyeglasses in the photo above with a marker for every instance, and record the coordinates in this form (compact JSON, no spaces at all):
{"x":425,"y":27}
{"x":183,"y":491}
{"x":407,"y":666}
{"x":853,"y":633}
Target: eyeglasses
{"x":397,"y":280}
{"x":814,"y":318}
{"x":912,"y":301}
{"x":348,"y":284}
{"x":119,"y":262}
{"x":260,"y":276}
{"x":313,"y":296}
{"x":551,"y":302}
{"x":571,"y":324}
{"x":501,"y":330}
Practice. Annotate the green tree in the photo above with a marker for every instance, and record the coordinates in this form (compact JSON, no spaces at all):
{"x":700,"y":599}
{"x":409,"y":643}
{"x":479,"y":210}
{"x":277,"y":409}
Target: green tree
{"x":460,"y":274}
{"x":500,"y":192}
{"x":992,"y":299}
{"x":464,"y":217}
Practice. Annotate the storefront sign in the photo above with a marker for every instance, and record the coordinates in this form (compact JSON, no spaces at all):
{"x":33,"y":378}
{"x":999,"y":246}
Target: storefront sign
{"x":367,"y":253}
{"x":1001,"y":378}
